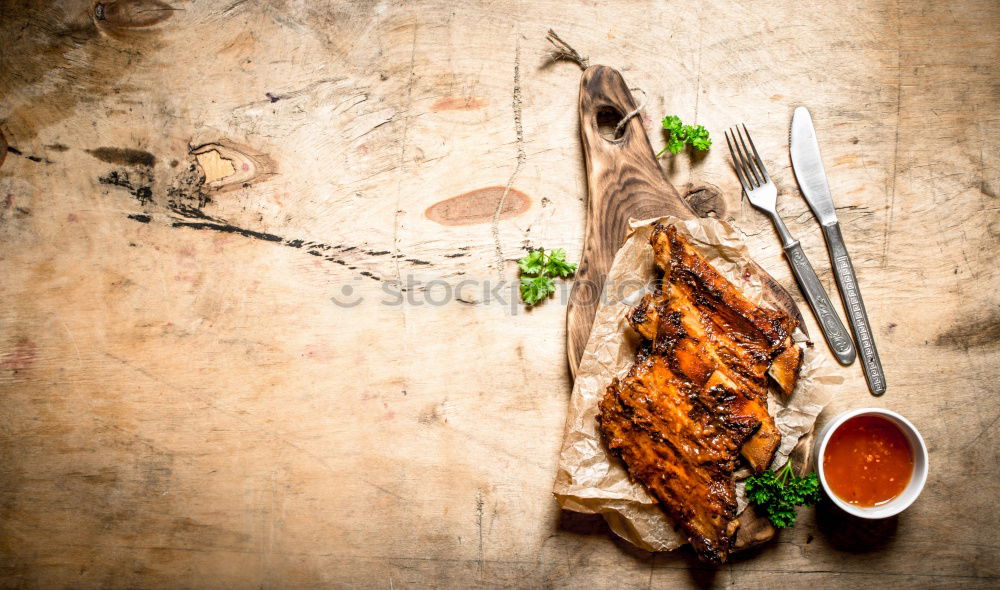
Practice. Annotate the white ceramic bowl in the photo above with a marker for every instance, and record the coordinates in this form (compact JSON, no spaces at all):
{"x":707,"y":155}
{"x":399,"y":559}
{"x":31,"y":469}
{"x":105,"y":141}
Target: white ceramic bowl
{"x":917,"y":480}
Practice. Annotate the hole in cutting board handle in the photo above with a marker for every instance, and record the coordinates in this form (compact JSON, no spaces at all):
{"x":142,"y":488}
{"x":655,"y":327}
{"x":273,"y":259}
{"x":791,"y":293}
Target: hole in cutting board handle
{"x":607,"y":119}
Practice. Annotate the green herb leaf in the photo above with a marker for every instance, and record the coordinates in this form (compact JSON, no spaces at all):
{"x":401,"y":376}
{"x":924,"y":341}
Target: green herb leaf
{"x":556,"y":266}
{"x":672,"y":123}
{"x":533,"y":263}
{"x":698,"y":136}
{"x":680,"y":135}
{"x":534,"y":289}
{"x":779,"y":493}
{"x":675,"y":144}
{"x":538,"y":270}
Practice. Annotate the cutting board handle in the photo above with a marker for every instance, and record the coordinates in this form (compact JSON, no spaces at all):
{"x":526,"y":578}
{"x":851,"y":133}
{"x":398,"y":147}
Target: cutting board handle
{"x":624,"y":181}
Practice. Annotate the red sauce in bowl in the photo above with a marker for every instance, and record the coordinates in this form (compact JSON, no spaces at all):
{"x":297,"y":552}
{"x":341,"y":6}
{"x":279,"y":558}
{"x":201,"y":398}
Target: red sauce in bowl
{"x":867,"y":461}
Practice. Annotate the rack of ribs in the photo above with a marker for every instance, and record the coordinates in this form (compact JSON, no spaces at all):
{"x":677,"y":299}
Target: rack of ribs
{"x":695,"y":399}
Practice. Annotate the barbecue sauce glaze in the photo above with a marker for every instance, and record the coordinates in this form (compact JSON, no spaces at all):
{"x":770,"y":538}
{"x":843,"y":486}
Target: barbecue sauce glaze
{"x":867,"y":461}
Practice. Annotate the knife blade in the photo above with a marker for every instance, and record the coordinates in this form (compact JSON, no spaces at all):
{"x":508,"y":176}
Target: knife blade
{"x":808,"y":166}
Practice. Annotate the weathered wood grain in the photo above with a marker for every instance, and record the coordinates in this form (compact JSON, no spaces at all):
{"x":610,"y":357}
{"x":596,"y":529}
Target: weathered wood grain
{"x":182,"y":404}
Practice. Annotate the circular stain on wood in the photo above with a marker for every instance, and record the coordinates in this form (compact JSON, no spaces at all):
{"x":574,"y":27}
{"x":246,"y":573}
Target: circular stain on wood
{"x":458,"y":103}
{"x":478,"y":206}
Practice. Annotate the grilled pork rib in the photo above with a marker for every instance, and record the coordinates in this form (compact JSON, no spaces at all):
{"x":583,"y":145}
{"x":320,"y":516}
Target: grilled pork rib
{"x":696,"y":397}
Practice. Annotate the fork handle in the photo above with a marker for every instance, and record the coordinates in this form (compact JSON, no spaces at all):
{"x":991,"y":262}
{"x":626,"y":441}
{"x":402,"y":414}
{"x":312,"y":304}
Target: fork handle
{"x":847,"y":282}
{"x":833,"y":329}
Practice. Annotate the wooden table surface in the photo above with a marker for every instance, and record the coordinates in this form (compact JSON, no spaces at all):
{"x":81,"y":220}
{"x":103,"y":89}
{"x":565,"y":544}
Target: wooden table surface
{"x":209,"y":376}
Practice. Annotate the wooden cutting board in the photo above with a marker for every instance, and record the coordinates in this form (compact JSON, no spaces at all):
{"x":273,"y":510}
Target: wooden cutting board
{"x":625,"y":181}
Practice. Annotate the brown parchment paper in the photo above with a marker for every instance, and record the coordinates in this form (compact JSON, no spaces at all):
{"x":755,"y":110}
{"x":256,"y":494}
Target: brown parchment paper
{"x":589,"y":479}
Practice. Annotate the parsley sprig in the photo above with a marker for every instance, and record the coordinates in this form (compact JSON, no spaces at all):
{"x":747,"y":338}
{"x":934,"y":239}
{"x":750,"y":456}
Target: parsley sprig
{"x":779,"y":493}
{"x":537,"y":271}
{"x":680,"y":135}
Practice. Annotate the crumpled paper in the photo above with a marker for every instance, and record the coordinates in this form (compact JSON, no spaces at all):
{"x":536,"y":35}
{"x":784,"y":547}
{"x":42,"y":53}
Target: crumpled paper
{"x":589,"y":479}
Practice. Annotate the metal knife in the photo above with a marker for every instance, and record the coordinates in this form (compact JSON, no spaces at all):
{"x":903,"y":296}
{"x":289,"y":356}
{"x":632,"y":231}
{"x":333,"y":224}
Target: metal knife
{"x":808,"y":167}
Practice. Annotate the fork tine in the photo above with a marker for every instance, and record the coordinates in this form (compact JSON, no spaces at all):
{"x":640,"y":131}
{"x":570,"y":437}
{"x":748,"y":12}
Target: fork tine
{"x":748,"y":169}
{"x":760,"y":163}
{"x":736,"y":164}
{"x":745,"y":166}
{"x":750,"y":162}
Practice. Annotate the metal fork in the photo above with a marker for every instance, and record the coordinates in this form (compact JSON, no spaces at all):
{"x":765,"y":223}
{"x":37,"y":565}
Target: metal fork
{"x":763,"y":195}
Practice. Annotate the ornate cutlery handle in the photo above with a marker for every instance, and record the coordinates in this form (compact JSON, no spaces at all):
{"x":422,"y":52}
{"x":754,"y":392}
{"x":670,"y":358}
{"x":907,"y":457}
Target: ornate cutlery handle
{"x":833,"y":329}
{"x":847,"y":282}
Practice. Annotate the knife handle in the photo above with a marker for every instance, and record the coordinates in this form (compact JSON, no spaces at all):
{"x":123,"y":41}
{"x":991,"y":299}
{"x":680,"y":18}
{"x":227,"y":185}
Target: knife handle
{"x":829,"y":322}
{"x":847,"y":282}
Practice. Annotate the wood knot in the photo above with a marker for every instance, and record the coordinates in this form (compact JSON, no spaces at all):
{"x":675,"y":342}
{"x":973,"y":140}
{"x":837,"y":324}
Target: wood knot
{"x":707,"y":200}
{"x":229,"y":166}
{"x":131,"y":14}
